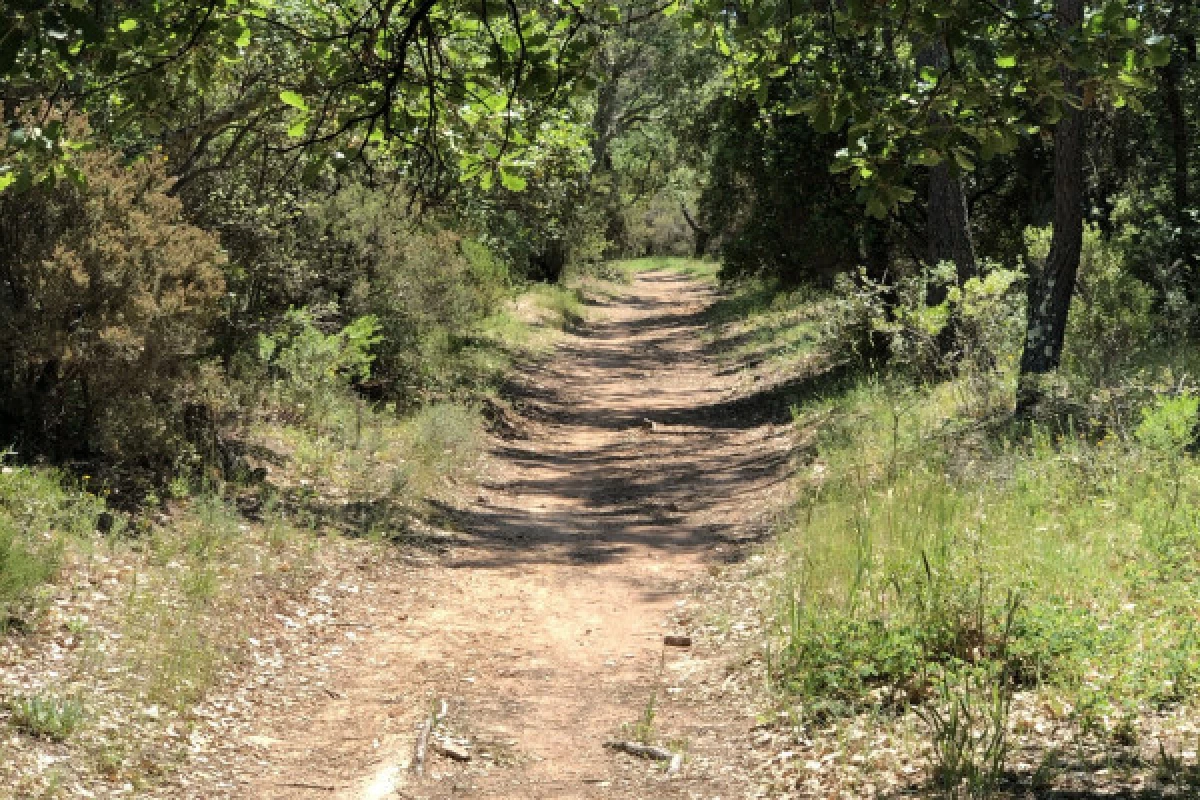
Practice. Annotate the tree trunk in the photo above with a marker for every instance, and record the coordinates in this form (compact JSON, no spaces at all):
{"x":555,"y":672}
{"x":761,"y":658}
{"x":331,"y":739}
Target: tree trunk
{"x":949,"y":225}
{"x":949,"y":229}
{"x":1050,"y":288}
{"x":703,"y":235}
{"x":1170,"y":77}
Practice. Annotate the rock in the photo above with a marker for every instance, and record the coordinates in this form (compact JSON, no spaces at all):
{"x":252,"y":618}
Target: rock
{"x":450,"y":749}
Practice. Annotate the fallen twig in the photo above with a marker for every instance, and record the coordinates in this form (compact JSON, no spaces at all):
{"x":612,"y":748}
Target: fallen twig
{"x":650,"y":751}
{"x":422,"y":745}
{"x":449,"y":749}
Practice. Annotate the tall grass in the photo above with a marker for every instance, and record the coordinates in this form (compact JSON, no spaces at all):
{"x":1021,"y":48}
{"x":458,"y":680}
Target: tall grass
{"x":38,"y":515}
{"x":907,"y":553}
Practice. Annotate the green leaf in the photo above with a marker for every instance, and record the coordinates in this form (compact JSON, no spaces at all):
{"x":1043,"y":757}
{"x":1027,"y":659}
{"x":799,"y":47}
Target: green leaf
{"x":1158,"y":51}
{"x":1006,"y":62}
{"x":293,"y":99}
{"x":6,"y":179}
{"x":128,"y":25}
{"x":514,"y":183}
{"x":298,"y":127}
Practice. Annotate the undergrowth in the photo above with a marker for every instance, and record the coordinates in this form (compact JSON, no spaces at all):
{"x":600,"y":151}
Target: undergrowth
{"x":944,"y":558}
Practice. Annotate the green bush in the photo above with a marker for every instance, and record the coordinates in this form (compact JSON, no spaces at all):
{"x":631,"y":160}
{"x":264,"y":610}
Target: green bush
{"x":109,"y":296}
{"x":1112,"y":320}
{"x":871,"y":321}
{"x":313,"y":370}
{"x":427,"y":288}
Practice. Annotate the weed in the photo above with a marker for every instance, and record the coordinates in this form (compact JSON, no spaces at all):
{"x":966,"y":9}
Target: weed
{"x":968,"y":726}
{"x":47,"y":716}
{"x":643,"y":730}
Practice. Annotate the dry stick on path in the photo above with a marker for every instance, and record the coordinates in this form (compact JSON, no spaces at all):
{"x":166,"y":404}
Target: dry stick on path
{"x":422,"y":746}
{"x":650,"y":751}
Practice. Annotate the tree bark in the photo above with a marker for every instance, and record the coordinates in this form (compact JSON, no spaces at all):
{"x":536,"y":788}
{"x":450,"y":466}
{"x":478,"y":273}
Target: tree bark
{"x":1170,"y":77}
{"x":949,"y":225}
{"x":1050,"y":288}
{"x":949,"y":228}
{"x":703,"y":235}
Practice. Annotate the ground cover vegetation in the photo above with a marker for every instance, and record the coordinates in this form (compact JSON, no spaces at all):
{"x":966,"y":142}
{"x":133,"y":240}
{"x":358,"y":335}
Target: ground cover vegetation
{"x":265,"y":266}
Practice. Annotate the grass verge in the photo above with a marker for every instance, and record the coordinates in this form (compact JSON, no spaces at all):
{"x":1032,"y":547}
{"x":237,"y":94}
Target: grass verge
{"x":1013,"y":607}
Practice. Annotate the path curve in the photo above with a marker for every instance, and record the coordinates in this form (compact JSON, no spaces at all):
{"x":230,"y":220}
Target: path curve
{"x":542,"y":626}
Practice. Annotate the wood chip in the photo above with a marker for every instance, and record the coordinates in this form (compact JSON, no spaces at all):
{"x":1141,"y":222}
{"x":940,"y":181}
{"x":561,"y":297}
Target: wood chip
{"x":677,"y":641}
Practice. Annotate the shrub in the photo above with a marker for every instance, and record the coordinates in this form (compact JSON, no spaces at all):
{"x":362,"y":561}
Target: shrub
{"x":871,"y":319}
{"x":107,"y":298}
{"x":427,"y":288}
{"x":313,"y":369}
{"x":1111,"y":319}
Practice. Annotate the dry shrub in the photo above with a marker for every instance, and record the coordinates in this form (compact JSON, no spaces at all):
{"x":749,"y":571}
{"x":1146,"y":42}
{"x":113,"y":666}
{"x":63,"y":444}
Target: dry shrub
{"x":107,"y":294}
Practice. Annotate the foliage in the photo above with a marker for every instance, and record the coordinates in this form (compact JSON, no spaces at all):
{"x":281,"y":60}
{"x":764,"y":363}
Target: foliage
{"x":968,"y":724}
{"x":906,"y":557}
{"x":966,"y":67}
{"x":312,"y":368}
{"x":871,"y":320}
{"x":1112,"y":321}
{"x":46,"y":716}
{"x":764,"y":226}
{"x":37,"y":515}
{"x":110,"y":294}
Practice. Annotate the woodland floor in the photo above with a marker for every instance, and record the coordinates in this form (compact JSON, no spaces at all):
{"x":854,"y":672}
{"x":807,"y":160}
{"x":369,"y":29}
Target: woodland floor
{"x":627,"y":479}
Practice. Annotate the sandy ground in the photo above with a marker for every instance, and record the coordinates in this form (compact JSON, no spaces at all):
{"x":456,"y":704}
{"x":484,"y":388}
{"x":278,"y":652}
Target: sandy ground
{"x":541,"y":625}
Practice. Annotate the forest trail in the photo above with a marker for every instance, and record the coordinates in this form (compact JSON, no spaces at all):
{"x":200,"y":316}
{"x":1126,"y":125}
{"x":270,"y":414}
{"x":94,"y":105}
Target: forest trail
{"x":542,"y":625}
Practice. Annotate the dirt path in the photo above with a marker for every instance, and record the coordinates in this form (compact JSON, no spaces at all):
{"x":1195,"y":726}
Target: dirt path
{"x":542,"y":625}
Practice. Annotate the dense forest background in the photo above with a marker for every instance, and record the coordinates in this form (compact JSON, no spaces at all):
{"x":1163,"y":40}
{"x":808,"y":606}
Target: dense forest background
{"x":198,"y":196}
{"x":967,"y":231}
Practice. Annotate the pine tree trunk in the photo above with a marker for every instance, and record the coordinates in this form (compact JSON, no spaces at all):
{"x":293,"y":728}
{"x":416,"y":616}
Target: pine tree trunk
{"x":1051,"y":288}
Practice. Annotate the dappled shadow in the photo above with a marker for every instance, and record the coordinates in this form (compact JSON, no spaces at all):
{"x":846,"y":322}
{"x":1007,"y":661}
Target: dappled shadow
{"x":639,"y":446}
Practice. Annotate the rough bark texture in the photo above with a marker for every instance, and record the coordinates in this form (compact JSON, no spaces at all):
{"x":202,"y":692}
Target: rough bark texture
{"x":947,"y":217}
{"x":1050,"y":288}
{"x":949,"y":225}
